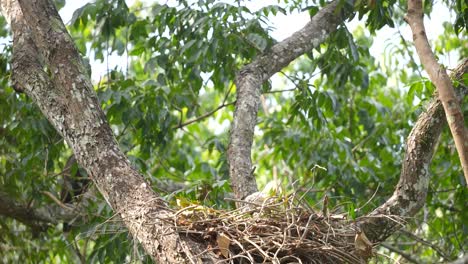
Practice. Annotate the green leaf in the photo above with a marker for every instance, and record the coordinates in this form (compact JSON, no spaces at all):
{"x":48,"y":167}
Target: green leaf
{"x":257,"y":41}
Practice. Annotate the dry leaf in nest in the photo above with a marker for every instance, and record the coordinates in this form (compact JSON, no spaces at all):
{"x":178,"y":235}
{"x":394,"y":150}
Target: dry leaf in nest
{"x":363,"y":245}
{"x":223,"y":243}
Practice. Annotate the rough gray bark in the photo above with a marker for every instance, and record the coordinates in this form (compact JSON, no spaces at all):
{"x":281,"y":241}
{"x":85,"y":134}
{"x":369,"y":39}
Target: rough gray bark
{"x":249,"y":81}
{"x":66,"y":97}
{"x":411,"y":191}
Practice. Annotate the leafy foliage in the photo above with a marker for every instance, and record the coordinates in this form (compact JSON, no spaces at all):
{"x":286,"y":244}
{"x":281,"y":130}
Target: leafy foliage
{"x":333,"y":123}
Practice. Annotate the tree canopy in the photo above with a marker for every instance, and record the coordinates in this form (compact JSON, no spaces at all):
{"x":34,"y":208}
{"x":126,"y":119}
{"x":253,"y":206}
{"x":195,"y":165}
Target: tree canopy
{"x":332,"y":124}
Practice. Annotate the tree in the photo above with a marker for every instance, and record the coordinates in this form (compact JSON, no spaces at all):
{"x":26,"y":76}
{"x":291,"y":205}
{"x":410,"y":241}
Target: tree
{"x":181,"y":59}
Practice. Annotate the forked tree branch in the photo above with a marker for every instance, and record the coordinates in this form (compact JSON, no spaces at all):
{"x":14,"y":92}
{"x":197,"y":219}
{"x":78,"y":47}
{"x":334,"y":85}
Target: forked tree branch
{"x":410,"y":193}
{"x":438,"y":76}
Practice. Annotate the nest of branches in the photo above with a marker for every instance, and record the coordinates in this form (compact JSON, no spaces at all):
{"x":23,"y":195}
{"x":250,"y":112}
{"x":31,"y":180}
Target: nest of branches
{"x":275,"y":230}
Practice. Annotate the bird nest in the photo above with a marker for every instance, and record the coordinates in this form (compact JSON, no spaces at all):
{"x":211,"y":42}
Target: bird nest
{"x":277,"y":230}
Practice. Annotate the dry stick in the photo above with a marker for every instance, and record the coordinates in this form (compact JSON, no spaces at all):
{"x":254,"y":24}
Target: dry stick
{"x":281,"y":246}
{"x":260,"y":250}
{"x":438,"y":75}
{"x":243,"y":251}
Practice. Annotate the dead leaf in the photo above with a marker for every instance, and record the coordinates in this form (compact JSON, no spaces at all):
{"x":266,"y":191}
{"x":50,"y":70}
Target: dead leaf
{"x":363,"y":245}
{"x":223,"y":243}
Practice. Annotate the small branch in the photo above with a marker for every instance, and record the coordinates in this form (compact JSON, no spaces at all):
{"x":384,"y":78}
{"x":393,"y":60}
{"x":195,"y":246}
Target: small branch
{"x":410,"y":53}
{"x":368,"y":201}
{"x":122,"y":133}
{"x":363,"y":141}
{"x":427,"y":243}
{"x":444,"y":190}
{"x":181,"y":125}
{"x":57,"y":201}
{"x":280,"y":91}
{"x":223,"y":104}
{"x":447,"y":207}
{"x":291,"y":79}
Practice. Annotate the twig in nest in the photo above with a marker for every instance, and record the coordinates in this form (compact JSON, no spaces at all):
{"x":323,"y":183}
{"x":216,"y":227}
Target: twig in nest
{"x":276,"y":230}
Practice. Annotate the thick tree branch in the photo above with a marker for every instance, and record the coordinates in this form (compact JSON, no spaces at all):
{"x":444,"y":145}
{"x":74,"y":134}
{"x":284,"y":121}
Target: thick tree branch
{"x":438,"y":75}
{"x":249,"y":81}
{"x":410,"y":193}
{"x":37,"y":219}
{"x":69,"y":102}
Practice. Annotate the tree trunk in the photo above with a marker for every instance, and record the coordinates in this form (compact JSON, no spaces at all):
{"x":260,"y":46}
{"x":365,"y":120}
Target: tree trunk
{"x":66,"y":97}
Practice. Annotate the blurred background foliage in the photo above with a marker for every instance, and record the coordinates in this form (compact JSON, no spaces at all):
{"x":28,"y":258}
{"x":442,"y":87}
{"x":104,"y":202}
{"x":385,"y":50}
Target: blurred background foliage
{"x":333,"y":122}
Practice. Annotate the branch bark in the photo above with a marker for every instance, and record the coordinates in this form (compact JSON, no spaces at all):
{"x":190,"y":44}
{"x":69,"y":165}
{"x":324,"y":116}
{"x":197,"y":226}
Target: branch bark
{"x":438,"y":75}
{"x":411,"y":191}
{"x":66,"y":97}
{"x":252,"y":76}
{"x":37,"y":219}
